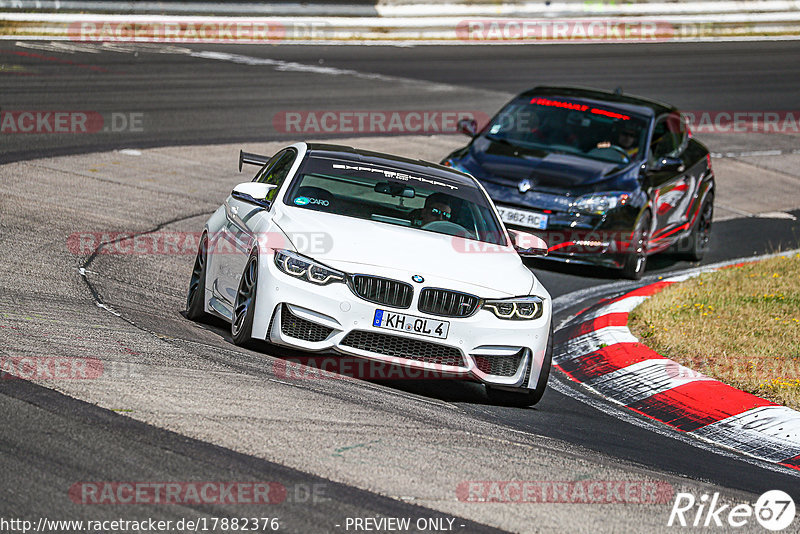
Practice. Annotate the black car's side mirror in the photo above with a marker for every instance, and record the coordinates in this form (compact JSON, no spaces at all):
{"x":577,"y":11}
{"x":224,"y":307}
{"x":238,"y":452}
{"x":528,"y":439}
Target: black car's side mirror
{"x":667,"y":164}
{"x":467,"y":127}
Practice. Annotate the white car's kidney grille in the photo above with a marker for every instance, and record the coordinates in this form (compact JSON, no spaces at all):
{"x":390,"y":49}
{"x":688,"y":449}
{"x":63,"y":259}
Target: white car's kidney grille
{"x":402,"y":347}
{"x":447,"y":303}
{"x":383,"y":290}
{"x":500,"y":364}
{"x":296,"y":327}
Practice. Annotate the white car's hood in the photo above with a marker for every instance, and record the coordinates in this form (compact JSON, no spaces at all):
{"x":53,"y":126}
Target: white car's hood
{"x":369,"y":247}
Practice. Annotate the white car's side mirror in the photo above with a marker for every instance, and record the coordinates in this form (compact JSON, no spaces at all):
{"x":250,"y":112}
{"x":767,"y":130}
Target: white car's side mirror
{"x":527,"y":244}
{"x":253,"y":192}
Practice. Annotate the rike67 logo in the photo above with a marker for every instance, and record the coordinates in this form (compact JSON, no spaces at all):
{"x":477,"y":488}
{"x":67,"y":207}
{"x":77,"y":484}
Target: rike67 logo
{"x":774,"y":510}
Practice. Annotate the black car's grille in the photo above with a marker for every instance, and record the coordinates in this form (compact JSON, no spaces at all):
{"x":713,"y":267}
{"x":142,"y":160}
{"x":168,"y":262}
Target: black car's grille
{"x":500,"y":364}
{"x":402,"y":347}
{"x":447,"y":303}
{"x":296,"y":327}
{"x":383,"y":290}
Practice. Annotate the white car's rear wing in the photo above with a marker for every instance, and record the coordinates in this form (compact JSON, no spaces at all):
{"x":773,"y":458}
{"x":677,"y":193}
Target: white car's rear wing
{"x":251,"y":159}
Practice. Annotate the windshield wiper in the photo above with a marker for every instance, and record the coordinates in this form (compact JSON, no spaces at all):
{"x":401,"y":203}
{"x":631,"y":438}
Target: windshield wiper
{"x":537,"y":151}
{"x":501,"y":140}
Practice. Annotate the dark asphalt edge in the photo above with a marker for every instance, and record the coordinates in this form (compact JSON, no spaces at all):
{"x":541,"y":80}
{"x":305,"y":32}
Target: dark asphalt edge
{"x":130,"y":431}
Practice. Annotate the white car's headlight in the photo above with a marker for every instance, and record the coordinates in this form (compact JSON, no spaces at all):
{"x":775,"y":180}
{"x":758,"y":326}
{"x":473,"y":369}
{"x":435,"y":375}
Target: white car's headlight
{"x":599,"y":203}
{"x":516,"y":309}
{"x":306,"y":269}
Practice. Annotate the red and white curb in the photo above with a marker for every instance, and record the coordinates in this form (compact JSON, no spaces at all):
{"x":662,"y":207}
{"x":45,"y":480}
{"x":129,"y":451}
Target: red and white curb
{"x":597,"y":349}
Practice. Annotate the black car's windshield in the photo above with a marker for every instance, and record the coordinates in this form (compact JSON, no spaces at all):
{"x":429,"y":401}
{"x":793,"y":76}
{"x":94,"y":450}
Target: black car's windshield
{"x":394,"y":196}
{"x":557,"y":125}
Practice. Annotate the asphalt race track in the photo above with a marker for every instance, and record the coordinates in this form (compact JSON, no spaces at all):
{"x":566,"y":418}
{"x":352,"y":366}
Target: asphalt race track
{"x":186,"y":99}
{"x":182,"y":403}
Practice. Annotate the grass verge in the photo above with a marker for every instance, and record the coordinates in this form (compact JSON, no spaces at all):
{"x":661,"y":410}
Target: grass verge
{"x":740,"y":325}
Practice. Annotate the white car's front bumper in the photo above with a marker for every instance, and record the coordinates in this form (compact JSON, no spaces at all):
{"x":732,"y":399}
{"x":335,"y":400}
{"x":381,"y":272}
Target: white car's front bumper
{"x":302,"y":315}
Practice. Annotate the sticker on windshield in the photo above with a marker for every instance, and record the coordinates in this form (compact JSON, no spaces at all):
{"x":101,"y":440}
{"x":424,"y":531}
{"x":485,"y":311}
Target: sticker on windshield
{"x":305,"y":201}
{"x":395,"y":174}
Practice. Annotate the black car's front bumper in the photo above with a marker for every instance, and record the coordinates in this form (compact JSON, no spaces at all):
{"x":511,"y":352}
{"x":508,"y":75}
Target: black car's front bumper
{"x":601,"y":247}
{"x":602,"y":240}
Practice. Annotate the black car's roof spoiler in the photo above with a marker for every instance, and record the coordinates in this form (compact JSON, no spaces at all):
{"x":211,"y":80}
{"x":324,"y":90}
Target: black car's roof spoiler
{"x":251,"y":159}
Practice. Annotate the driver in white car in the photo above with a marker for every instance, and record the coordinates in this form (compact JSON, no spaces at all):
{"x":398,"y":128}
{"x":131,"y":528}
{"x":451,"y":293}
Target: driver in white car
{"x":437,"y":208}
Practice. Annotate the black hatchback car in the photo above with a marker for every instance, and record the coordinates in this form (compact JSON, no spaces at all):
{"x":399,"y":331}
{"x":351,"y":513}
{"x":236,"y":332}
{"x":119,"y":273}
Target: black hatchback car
{"x":605,"y":178}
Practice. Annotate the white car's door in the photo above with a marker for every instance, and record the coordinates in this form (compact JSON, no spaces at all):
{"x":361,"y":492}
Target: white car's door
{"x":239,"y":238}
{"x":245,"y":226}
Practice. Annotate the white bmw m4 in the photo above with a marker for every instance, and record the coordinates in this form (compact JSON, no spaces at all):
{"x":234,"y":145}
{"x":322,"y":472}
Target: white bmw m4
{"x":331,"y":249}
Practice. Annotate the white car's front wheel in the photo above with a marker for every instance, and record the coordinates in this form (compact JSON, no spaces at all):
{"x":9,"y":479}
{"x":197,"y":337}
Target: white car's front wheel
{"x":245,"y":305}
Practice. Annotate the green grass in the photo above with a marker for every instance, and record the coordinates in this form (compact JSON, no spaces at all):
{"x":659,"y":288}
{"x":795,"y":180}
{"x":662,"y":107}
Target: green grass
{"x":740,"y":325}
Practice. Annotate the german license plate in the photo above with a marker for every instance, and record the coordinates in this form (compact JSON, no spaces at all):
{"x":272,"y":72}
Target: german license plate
{"x":529,"y":219}
{"x":410,"y":323}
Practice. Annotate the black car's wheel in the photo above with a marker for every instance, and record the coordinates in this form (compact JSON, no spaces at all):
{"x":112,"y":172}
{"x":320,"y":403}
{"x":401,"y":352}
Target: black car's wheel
{"x":636,"y":259}
{"x":245,"y":306}
{"x":696,"y":244}
{"x":195,"y":300}
{"x":525,"y":397}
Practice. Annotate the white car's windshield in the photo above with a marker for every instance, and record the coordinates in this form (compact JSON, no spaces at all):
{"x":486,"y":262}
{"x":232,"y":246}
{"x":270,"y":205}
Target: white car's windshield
{"x":559,"y":125}
{"x":395,"y":196}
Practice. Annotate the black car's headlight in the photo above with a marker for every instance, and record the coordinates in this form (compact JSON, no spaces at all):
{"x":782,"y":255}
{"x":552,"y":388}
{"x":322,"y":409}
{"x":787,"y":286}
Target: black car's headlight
{"x":600,"y":203}
{"x":517,"y":308}
{"x":306,"y":269}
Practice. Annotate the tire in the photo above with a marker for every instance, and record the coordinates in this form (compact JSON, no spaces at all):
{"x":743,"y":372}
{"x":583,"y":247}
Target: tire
{"x":525,"y":397}
{"x":196,"y":297}
{"x":244,"y":308}
{"x":636,"y":259}
{"x":696,"y":244}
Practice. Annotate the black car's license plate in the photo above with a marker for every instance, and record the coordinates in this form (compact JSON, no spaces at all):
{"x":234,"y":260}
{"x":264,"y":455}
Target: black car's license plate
{"x":530,"y":219}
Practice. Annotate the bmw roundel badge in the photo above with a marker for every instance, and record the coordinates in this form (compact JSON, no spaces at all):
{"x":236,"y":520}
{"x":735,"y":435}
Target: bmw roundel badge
{"x":417,"y":278}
